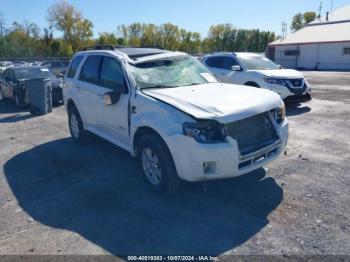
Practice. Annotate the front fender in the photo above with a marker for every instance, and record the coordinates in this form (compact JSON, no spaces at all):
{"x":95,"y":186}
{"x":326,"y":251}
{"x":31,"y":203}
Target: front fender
{"x":162,"y":118}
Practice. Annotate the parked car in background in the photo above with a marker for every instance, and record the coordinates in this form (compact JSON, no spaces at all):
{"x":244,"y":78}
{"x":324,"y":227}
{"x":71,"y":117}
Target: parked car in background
{"x":58,"y":67}
{"x":13,"y":83}
{"x":20,"y":63}
{"x":4,"y":65}
{"x":168,"y":110}
{"x":258,"y":71}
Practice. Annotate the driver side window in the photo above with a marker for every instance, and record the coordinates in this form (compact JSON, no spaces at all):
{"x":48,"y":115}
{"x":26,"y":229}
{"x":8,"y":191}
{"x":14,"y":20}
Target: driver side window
{"x":112,"y":75}
{"x":229,"y":62}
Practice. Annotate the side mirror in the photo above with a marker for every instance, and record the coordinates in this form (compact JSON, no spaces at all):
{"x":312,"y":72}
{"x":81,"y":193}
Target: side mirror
{"x":111,"y":98}
{"x":280,"y":67}
{"x":236,"y":68}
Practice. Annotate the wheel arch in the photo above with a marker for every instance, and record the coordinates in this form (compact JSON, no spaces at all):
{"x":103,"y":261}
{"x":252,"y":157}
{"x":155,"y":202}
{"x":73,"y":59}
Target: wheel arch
{"x":141,"y":132}
{"x":70,"y":104}
{"x":252,"y":83}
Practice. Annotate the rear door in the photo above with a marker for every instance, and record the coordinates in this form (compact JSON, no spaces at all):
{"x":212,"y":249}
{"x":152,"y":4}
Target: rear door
{"x":221,"y":67}
{"x":86,"y":88}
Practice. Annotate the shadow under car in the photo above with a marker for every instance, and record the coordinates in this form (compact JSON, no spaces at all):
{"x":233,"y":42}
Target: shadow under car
{"x":99,"y":193}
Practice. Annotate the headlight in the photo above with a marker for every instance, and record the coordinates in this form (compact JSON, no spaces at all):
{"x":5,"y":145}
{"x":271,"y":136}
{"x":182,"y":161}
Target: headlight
{"x":279,"y":114}
{"x":276,"y":81}
{"x":206,"y":132}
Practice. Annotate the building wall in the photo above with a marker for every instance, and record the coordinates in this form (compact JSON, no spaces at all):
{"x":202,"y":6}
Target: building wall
{"x":323,"y":56}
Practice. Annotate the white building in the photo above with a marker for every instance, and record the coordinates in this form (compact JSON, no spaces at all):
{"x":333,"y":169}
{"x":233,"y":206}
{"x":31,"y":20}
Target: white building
{"x":322,"y":44}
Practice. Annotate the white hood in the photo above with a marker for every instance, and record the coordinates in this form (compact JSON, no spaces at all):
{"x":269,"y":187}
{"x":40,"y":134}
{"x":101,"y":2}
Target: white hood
{"x":281,"y":73}
{"x":222,"y":102}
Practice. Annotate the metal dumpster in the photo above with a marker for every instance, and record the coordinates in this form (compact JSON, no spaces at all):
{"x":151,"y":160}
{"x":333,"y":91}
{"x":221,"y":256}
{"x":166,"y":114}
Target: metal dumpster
{"x":39,"y":90}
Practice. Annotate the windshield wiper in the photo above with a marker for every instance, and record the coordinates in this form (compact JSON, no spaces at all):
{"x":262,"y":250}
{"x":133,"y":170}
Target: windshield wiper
{"x":194,"y":84}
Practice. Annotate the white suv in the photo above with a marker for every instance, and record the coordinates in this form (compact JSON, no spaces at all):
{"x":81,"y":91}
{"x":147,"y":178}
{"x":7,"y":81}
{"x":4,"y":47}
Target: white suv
{"x":256,"y":70}
{"x":168,"y":110}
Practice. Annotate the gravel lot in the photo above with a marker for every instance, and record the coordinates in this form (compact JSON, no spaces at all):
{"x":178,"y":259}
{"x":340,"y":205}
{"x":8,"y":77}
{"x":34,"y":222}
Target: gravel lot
{"x":60,"y":198}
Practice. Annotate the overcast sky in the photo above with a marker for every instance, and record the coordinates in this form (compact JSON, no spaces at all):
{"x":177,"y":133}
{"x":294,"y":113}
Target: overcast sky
{"x":194,"y":15}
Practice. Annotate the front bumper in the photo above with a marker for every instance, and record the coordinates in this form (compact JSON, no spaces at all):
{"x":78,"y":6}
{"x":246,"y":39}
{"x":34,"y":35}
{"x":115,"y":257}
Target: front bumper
{"x":197,"y":162}
{"x":285,"y":92}
{"x":57,"y":94}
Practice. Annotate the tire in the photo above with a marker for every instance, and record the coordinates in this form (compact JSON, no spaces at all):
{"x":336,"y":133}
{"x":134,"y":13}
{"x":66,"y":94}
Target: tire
{"x":153,"y":146}
{"x":18,"y":100}
{"x":76,"y":127}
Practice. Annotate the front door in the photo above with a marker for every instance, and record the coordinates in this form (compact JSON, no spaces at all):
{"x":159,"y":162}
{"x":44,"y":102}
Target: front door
{"x":113,"y":119}
{"x":221,"y":66}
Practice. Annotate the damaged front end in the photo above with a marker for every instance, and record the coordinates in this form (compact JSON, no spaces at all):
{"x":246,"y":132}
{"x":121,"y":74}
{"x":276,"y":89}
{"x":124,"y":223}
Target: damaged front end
{"x":257,"y":137}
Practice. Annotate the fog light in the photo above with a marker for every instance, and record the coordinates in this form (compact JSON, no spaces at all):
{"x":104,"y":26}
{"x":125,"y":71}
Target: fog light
{"x":209,"y":167}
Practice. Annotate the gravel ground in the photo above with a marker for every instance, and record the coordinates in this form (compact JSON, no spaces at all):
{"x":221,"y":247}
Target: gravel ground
{"x":60,"y":198}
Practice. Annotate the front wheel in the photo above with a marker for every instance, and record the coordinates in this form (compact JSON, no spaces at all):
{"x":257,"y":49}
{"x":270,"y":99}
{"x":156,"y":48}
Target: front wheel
{"x":158,"y":165}
{"x":76,"y":127}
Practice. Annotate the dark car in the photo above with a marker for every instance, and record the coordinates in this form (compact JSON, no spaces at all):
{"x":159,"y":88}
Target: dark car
{"x":59,"y":67}
{"x":13,"y":83}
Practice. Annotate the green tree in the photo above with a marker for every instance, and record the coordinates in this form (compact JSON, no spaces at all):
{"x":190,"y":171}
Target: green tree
{"x":301,"y":19}
{"x":107,"y":39}
{"x":309,"y":17}
{"x":297,"y":22}
{"x":76,"y":29}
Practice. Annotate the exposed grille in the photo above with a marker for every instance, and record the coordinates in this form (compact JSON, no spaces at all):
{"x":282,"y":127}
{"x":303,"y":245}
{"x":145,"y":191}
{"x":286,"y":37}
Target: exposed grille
{"x":253,"y":133}
{"x":298,"y":91}
{"x":296,"y":82}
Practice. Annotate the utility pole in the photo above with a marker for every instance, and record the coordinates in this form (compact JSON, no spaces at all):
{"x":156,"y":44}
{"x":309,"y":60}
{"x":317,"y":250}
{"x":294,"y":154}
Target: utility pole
{"x":319,"y":11}
{"x":284,"y":30}
{"x":332,"y":6}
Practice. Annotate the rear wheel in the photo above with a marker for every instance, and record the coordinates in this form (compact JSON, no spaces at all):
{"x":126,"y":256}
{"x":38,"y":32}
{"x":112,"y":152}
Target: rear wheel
{"x":18,"y":100}
{"x":76,"y":127}
{"x":1,"y":93}
{"x":157,"y":164}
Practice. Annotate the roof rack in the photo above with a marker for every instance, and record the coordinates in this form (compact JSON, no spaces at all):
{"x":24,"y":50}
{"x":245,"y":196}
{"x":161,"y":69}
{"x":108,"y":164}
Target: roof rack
{"x":102,"y":47}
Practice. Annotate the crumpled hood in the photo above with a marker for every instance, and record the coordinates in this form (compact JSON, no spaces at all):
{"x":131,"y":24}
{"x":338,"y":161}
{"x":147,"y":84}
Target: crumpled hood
{"x":222,"y":102}
{"x":281,"y":73}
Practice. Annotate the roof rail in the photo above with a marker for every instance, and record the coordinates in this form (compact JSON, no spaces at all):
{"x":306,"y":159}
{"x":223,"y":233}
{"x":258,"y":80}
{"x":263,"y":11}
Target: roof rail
{"x":153,"y":46}
{"x":99,"y":47}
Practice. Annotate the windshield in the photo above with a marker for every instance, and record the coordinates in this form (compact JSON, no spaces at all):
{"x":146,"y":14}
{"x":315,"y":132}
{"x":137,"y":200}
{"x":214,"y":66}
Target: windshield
{"x":258,"y":63}
{"x":25,"y":73}
{"x":170,"y":72}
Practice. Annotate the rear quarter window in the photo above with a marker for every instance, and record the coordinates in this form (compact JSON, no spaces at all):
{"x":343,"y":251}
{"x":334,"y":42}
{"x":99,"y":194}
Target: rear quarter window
{"x":74,"y":66}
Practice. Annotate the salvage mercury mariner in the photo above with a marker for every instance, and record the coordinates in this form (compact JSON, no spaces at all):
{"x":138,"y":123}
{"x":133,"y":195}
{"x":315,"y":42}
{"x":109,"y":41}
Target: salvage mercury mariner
{"x":168,"y":110}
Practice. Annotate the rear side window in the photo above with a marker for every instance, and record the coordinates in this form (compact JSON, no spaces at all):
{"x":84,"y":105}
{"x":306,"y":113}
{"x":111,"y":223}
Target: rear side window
{"x":90,"y":71}
{"x":74,"y":66}
{"x":111,"y":74}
